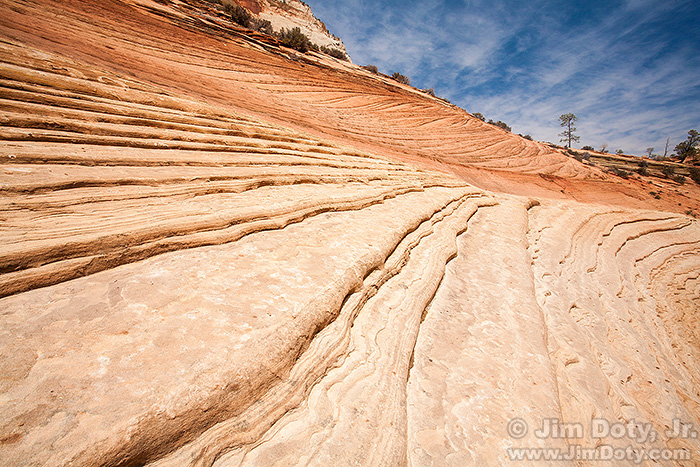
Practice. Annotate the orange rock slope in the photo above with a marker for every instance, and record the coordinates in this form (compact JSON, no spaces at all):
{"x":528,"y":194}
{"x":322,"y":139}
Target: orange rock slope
{"x":333,"y":99}
{"x":184,"y":50}
{"x":218,"y":252}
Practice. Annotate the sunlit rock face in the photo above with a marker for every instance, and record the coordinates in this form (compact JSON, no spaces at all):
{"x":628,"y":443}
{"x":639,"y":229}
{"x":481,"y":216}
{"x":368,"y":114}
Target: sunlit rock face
{"x":215,"y":252}
{"x":290,"y":14}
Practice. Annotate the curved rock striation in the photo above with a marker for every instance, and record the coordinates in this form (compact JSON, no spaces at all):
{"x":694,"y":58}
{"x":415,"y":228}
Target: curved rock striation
{"x":98,"y":175}
{"x":261,"y":266}
{"x":323,"y":96}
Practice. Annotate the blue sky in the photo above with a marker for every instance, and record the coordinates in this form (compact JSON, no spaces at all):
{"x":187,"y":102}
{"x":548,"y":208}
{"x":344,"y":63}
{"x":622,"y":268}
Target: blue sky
{"x":628,"y":69}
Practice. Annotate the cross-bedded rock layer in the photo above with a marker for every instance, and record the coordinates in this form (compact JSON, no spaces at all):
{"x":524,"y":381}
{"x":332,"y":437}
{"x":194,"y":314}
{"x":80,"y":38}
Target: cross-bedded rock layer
{"x":216,"y":253}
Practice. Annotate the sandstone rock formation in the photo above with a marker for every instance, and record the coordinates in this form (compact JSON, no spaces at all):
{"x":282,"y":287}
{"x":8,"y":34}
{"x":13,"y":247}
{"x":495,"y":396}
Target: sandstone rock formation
{"x":218,"y":253}
{"x":289,"y":14}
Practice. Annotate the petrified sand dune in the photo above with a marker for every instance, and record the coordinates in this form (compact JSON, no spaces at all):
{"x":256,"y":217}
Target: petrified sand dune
{"x":216,"y":253}
{"x":331,"y":98}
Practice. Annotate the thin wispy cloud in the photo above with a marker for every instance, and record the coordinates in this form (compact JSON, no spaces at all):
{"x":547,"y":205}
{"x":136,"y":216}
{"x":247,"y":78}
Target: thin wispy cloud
{"x":628,"y":69}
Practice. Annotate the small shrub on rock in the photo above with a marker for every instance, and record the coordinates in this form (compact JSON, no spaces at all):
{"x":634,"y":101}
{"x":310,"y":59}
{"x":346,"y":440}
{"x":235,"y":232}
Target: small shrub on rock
{"x":401,"y":78}
{"x":621,"y":173}
{"x":295,"y":39}
{"x":333,"y":52}
{"x":238,"y":15}
{"x":500,"y":124}
{"x":695,"y":174}
{"x":263,"y":25}
{"x":337,"y":53}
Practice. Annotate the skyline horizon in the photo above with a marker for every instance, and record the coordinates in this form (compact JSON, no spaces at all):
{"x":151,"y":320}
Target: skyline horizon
{"x":628,"y":69}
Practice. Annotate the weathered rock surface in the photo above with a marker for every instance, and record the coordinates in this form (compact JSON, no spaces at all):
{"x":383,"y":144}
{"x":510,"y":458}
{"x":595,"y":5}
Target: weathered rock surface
{"x":214,"y":253}
{"x":289,"y":14}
